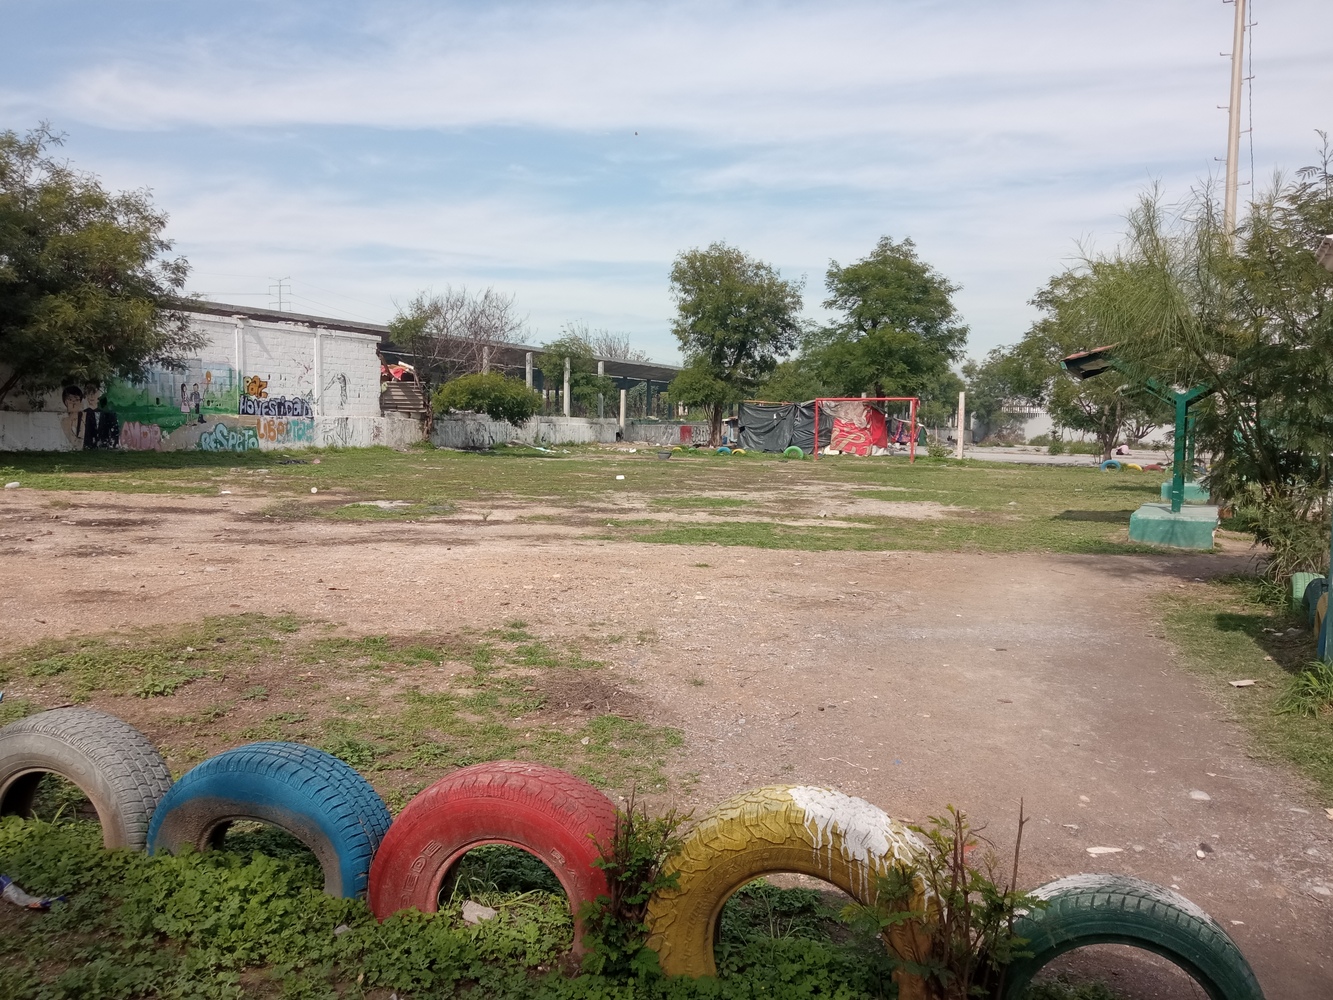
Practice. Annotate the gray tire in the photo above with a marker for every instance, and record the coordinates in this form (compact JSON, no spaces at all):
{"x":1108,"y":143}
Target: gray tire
{"x":110,"y":761}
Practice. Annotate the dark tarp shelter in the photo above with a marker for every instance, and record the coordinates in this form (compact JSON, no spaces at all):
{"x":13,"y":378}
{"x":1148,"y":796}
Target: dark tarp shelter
{"x":777,"y":426}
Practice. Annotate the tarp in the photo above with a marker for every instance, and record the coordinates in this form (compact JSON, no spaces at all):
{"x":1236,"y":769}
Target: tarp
{"x":765,"y":426}
{"x":803,"y":427}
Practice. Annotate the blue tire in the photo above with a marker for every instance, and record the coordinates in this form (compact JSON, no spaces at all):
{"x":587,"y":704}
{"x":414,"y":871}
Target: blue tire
{"x":1110,"y":465}
{"x":312,"y":795}
{"x":724,"y":450}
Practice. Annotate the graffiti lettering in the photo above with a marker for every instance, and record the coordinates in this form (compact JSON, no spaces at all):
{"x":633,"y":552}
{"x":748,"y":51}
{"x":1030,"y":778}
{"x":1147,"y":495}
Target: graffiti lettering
{"x":275,"y":431}
{"x":278,"y":406}
{"x":224,"y":438}
{"x":135,"y":436}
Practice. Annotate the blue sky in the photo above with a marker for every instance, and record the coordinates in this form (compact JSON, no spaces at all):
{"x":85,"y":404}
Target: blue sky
{"x":566,"y":152}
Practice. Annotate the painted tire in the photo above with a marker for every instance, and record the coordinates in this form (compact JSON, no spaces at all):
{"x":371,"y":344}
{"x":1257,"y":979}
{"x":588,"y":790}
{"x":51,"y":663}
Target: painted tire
{"x":1133,"y":467}
{"x":313,"y":795}
{"x":1116,"y":909}
{"x":110,"y":761}
{"x":793,"y":451}
{"x":554,"y":816}
{"x":1110,"y":465}
{"x":738,"y":451}
{"x":779,"y":828}
{"x":724,"y":450}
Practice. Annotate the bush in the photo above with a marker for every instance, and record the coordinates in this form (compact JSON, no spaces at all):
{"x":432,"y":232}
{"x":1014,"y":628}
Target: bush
{"x":1056,"y":447}
{"x":1084,"y":448}
{"x":937,"y":450}
{"x":497,"y":396}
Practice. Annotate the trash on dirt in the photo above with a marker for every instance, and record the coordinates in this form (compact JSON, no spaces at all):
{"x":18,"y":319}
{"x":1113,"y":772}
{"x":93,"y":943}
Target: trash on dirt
{"x":1199,"y":795}
{"x":475,"y":913}
{"x":381,"y":504}
{"x":224,"y":493}
{"x":620,"y":477}
{"x":1205,"y":848}
{"x":1329,"y":813}
{"x":1070,"y":826}
{"x":12,"y":486}
{"x":1242,"y":684}
{"x":18,"y":897}
{"x":314,"y":489}
{"x":314,"y":461}
{"x":341,"y":929}
{"x":1094,"y":851}
{"x":1269,"y":659}
{"x":291,"y":461}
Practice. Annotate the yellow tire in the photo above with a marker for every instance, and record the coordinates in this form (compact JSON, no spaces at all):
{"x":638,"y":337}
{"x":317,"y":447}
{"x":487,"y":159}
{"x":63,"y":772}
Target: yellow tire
{"x":1133,"y":467}
{"x":780,"y":828}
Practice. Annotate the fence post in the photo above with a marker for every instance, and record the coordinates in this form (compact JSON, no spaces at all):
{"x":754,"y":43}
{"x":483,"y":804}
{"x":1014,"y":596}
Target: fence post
{"x":527,"y":368}
{"x":567,"y":411}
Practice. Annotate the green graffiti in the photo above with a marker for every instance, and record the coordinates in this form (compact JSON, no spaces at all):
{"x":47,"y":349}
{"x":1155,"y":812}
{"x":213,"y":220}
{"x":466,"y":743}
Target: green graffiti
{"x":224,"y":438}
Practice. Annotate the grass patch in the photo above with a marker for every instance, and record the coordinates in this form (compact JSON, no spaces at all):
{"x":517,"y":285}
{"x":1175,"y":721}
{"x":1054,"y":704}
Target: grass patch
{"x":989,"y":506}
{"x":1225,"y":630}
{"x":402,"y":707}
{"x":148,"y":662}
{"x":697,"y":502}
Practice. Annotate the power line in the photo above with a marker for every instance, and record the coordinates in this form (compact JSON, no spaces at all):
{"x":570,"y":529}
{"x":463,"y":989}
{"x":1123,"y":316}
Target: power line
{"x":281,"y":291}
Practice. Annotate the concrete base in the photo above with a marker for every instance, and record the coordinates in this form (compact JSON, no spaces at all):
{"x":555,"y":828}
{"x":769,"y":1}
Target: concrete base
{"x":1192,"y":528}
{"x":1194,"y":493}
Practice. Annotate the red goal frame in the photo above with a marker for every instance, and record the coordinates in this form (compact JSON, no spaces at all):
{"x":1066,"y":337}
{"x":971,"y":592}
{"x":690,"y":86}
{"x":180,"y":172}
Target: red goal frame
{"x":915,"y":402}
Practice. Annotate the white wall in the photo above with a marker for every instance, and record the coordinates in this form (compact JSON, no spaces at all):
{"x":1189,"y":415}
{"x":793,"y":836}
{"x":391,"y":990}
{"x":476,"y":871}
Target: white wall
{"x":254,"y":384}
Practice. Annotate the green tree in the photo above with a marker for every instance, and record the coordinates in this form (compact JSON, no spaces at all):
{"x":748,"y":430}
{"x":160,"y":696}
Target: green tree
{"x":1252,"y":318}
{"x":498,"y":396}
{"x":87,"y":292}
{"x":900,"y":330}
{"x":735,"y":317}
{"x":585,"y":385}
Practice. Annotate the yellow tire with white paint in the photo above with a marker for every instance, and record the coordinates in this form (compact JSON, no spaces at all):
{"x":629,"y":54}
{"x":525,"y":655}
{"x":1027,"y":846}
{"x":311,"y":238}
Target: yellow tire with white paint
{"x":813,"y":831}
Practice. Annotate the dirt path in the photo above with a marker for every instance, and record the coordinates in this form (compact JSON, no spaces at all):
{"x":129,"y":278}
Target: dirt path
{"x":912,"y":679}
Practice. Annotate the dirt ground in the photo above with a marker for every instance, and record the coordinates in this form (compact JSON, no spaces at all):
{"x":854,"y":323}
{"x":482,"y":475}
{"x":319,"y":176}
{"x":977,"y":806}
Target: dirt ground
{"x":911,"y":679}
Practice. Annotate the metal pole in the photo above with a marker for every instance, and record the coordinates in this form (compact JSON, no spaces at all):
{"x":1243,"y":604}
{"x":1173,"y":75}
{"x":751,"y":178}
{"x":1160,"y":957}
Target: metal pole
{"x":1233,"y":118}
{"x":962,"y":422}
{"x":566,"y":386}
{"x":1178,"y":458}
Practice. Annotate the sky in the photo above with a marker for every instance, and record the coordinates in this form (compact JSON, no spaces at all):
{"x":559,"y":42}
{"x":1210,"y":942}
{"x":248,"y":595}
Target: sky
{"x":565,"y":153}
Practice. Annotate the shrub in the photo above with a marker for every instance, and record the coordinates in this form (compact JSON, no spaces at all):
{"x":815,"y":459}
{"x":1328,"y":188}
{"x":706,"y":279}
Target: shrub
{"x":497,"y":396}
{"x":1056,"y":447}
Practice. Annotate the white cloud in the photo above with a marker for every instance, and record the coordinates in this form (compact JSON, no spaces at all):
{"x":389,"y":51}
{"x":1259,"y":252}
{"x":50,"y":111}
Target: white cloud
{"x":995,"y":134}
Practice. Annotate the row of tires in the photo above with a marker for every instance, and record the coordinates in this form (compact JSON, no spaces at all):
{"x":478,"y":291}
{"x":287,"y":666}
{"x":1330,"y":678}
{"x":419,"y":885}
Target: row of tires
{"x":405,"y":863}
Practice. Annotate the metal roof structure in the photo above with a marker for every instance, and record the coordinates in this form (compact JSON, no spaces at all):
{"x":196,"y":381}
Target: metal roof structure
{"x":508,"y":358}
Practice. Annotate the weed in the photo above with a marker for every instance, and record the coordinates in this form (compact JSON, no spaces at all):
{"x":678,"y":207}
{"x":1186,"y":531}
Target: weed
{"x":1310,"y":692}
{"x":615,"y":929}
{"x":952,"y":918}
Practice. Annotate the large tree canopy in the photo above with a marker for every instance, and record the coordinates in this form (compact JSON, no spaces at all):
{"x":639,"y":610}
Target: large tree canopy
{"x":900,"y":331}
{"x":735,"y":317}
{"x":87,"y":292}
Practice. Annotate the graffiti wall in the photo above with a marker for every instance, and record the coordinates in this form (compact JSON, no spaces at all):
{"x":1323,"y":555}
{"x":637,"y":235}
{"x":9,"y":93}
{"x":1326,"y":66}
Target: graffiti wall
{"x":256,"y":384}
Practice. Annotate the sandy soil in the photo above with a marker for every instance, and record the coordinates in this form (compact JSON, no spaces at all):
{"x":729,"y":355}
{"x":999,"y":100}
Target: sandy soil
{"x":912,"y":679}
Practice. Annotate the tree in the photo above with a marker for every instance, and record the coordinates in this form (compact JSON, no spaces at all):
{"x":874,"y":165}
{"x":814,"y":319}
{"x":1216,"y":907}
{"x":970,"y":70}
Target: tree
{"x":585,"y":385}
{"x":1252,"y":318}
{"x":87,"y":292}
{"x":452,"y":333}
{"x":498,"y":396}
{"x":735,"y":316}
{"x":900,"y":331}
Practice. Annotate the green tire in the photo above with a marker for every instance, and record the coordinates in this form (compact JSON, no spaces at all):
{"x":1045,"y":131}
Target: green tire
{"x":793,"y":451}
{"x":1116,"y":909}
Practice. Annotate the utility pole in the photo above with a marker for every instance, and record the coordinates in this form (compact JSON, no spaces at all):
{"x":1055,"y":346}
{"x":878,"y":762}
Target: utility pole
{"x":1233,"y":118}
{"x":278,"y":290}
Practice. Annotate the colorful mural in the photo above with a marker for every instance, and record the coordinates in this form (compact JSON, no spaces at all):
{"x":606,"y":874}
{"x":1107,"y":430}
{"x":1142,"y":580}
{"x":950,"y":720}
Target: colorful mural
{"x":206,"y":406}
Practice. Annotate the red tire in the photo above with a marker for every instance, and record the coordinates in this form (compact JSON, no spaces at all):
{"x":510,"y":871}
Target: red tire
{"x":556,"y":817}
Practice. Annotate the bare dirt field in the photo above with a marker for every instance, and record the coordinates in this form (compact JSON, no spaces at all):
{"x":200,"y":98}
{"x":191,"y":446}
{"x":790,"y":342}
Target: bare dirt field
{"x":912,"y":679}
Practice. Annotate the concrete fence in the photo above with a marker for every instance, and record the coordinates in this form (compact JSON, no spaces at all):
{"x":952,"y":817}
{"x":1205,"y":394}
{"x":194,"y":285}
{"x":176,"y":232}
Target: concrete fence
{"x":476,"y":430}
